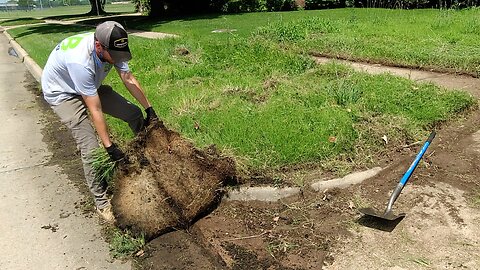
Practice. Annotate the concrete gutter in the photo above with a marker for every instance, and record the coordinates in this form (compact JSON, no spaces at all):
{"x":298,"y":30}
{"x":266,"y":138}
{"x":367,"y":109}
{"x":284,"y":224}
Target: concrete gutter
{"x":31,"y":65}
{"x":271,"y":194}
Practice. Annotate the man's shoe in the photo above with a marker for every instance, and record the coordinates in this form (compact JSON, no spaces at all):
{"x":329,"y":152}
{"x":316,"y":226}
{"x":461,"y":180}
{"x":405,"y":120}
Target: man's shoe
{"x":107,"y":214}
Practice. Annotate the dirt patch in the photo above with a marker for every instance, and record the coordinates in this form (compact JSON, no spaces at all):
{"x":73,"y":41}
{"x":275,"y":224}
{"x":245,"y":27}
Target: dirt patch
{"x":179,"y":250}
{"x":167,"y":182}
{"x":259,"y":235}
{"x":440,"y":230}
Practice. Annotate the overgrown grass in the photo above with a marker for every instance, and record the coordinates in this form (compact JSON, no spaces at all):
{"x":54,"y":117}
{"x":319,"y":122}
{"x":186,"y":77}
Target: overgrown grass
{"x":278,"y":108}
{"x":104,"y":167}
{"x":124,"y":245}
{"x":442,"y":39}
{"x":255,"y":96}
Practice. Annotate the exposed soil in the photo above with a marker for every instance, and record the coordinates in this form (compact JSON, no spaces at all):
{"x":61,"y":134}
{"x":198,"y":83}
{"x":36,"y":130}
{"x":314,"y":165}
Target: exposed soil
{"x":167,"y":182}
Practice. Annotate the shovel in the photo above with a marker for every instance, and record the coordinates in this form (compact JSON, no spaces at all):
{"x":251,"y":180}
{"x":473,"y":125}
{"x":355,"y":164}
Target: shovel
{"x":388,"y":215}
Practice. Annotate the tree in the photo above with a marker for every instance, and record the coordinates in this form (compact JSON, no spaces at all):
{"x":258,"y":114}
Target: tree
{"x":98,"y":7}
{"x":25,"y":4}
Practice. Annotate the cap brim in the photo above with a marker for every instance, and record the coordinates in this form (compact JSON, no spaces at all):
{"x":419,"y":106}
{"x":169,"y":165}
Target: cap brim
{"x":120,"y":56}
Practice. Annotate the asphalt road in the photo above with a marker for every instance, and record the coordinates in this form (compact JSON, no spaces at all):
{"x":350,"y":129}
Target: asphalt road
{"x":40,"y":227}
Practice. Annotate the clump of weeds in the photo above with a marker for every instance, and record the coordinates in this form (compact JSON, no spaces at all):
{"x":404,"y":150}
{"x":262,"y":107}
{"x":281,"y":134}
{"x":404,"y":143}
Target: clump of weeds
{"x":123,"y":245}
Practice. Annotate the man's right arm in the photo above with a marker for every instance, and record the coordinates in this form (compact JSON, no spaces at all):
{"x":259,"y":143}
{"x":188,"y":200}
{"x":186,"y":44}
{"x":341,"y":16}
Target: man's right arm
{"x":95,"y":107}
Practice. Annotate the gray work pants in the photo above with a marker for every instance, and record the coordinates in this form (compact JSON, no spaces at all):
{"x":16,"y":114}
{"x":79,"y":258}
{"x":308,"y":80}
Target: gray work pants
{"x":73,"y":113}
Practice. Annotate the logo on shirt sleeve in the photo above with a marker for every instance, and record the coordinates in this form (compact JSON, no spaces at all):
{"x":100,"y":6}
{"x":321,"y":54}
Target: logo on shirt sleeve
{"x":73,"y":41}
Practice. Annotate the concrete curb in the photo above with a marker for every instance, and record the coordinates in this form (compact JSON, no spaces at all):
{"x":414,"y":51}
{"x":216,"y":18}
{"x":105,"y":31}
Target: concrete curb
{"x":271,"y":194}
{"x":351,"y":179}
{"x":31,"y":65}
{"x":265,"y":194}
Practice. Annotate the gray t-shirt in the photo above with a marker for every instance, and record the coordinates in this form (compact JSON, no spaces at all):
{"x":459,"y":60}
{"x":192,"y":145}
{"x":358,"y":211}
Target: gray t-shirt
{"x":73,"y":68}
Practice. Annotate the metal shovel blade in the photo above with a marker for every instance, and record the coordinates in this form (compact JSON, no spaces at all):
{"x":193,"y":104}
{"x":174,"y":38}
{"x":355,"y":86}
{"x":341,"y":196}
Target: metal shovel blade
{"x":384,"y":221}
{"x":385,"y":215}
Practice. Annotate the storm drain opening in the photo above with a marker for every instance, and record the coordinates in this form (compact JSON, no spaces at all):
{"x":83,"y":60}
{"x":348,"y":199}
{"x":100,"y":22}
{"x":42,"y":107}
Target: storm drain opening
{"x":12,"y":52}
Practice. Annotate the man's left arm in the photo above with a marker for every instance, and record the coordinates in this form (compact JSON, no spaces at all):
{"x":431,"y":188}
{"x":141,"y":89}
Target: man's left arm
{"x":134,"y":88}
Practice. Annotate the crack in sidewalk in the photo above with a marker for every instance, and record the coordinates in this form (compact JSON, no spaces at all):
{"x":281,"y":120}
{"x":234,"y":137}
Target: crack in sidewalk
{"x":24,"y":167}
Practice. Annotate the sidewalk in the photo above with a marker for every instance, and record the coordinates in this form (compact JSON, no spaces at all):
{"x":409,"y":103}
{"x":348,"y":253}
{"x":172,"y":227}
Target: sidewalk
{"x":41,"y":227}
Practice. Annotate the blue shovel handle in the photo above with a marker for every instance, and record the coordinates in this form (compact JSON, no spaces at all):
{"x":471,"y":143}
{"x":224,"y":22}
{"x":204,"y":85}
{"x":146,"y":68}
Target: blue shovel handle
{"x":409,"y":172}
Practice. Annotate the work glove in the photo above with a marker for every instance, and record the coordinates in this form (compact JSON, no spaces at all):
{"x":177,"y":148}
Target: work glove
{"x":151,"y":116}
{"x":115,"y":153}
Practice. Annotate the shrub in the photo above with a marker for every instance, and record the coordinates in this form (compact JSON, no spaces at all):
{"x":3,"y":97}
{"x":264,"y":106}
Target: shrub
{"x":322,"y":4}
{"x":238,"y":6}
{"x":280,"y":5}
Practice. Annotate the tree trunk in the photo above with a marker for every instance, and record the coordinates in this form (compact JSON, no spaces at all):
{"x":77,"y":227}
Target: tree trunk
{"x":97,"y":7}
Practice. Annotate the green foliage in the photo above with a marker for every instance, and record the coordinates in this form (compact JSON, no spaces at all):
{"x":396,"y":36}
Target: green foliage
{"x":322,"y":4}
{"x":344,"y":92}
{"x":212,"y":6}
{"x":472,"y":26}
{"x":124,"y":245}
{"x":25,"y":4}
{"x":162,"y":7}
{"x":295,"y":31}
{"x":238,"y":6}
{"x":102,"y":164}
{"x":142,"y":6}
{"x":274,"y":107}
{"x":280,"y":5}
{"x":416,"y":4}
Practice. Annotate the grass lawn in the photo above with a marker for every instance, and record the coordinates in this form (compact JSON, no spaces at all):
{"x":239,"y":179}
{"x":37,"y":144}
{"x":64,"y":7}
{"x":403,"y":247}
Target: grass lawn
{"x":20,"y":21}
{"x":441,"y":39}
{"x":257,"y":95}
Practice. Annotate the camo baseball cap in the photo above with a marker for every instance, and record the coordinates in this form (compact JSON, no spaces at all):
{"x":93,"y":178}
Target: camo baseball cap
{"x":113,"y":36}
